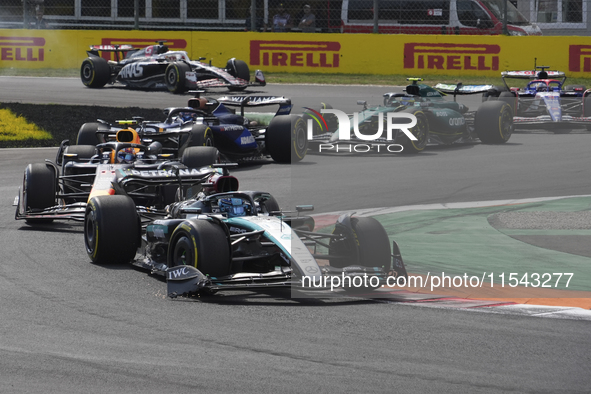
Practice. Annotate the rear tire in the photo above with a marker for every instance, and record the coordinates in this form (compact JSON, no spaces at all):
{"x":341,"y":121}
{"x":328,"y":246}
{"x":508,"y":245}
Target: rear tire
{"x":39,"y":189}
{"x":509,"y":98}
{"x":286,"y":138}
{"x":205,"y":246}
{"x":175,"y":77}
{"x":200,"y":135}
{"x":200,"y":156}
{"x":494,"y":122}
{"x":95,"y":72}
{"x":87,"y":135}
{"x":111,"y":229}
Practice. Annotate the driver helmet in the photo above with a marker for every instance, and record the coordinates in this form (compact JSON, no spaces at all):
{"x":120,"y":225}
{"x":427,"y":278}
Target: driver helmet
{"x":233,"y":207}
{"x":126,"y":156}
{"x":187,"y":116}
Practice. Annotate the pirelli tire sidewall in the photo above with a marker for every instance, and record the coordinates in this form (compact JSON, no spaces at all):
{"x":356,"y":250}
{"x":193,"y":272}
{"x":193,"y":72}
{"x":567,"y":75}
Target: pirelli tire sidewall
{"x":205,"y":245}
{"x":95,"y":72}
{"x":493,"y":122}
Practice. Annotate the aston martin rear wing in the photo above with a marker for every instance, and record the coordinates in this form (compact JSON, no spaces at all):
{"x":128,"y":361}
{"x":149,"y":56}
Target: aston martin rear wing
{"x":284,"y":103}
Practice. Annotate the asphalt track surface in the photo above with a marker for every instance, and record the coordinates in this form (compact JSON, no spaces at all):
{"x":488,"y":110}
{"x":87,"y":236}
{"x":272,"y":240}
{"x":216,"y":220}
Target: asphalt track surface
{"x":69,"y":326}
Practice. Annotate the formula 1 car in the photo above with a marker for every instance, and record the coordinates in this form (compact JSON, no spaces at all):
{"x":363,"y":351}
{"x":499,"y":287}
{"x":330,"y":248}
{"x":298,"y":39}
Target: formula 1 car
{"x":211,"y":122}
{"x":239,"y":240}
{"x":438,"y":121}
{"x":545,"y":102}
{"x":155,"y":67}
{"x":61,"y":189}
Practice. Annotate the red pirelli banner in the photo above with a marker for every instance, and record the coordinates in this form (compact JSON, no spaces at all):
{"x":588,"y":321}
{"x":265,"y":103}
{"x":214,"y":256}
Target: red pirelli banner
{"x":412,"y":55}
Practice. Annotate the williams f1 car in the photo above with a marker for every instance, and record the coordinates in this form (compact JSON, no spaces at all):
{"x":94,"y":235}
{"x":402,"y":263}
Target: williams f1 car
{"x":545,"y":102}
{"x":61,"y":189}
{"x":240,"y":240}
{"x":211,"y":122}
{"x":155,"y":67}
{"x":438,"y":121}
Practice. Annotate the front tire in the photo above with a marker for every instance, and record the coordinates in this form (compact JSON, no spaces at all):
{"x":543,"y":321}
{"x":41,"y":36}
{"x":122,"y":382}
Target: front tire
{"x":371,"y":241}
{"x":202,"y":244}
{"x":95,"y":72}
{"x":494,"y":122}
{"x":111,"y":229}
{"x":286,"y":138}
{"x":39,"y":189}
{"x":238,"y":69}
{"x":175,"y":77}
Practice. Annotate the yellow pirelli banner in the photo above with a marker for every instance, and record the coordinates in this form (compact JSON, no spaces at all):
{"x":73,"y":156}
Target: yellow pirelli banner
{"x":415,"y":55}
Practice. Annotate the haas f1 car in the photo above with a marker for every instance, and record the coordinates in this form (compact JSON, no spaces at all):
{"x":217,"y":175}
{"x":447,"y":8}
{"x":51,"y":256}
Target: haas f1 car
{"x":211,"y":122}
{"x":239,"y":240}
{"x":545,"y":102}
{"x":155,"y":67}
{"x":438,"y":121}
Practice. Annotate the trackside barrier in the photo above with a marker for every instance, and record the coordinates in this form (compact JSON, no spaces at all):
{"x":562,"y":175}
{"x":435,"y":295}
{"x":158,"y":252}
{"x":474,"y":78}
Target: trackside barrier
{"x":415,"y":55}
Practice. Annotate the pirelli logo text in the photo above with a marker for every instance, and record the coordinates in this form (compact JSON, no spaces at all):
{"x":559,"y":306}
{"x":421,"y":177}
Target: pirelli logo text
{"x":25,"y":49}
{"x":579,"y":55}
{"x":295,"y":53}
{"x":172,"y":44}
{"x":479,"y":57}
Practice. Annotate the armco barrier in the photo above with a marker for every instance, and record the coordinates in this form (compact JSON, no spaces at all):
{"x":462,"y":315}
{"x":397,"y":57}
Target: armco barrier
{"x":414,"y":55}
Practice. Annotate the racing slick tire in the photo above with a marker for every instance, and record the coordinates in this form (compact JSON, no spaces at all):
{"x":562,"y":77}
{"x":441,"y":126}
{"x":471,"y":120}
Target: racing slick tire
{"x":175,"y":77}
{"x":87,"y":134}
{"x":95,"y":72}
{"x":372,"y":244}
{"x":420,"y":131}
{"x":494,"y":122}
{"x":200,"y":156}
{"x":318,"y":127}
{"x":111,"y":229}
{"x":493,"y":92}
{"x":82,"y":152}
{"x":203,"y":244}
{"x":200,"y":135}
{"x":509,"y":98}
{"x":286,"y":138}
{"x":238,"y":69}
{"x":39,"y":189}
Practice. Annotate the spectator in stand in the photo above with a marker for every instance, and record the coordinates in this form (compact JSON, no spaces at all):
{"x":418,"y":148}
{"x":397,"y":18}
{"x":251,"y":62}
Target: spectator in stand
{"x":308,"y":22}
{"x":281,"y":20}
{"x":260,"y":24}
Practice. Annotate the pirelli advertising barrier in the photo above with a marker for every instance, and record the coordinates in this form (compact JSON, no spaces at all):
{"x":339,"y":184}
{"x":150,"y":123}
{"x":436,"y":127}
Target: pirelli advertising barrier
{"x":415,"y":55}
